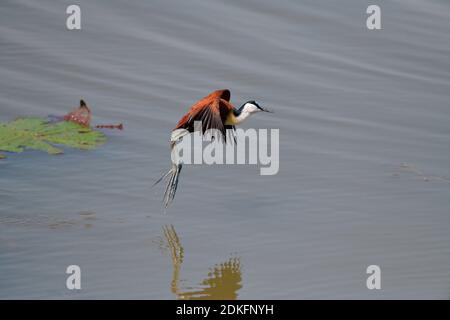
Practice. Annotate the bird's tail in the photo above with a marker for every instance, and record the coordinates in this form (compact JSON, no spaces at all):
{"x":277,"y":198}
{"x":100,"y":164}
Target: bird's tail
{"x":172,"y":183}
{"x":174,"y":173}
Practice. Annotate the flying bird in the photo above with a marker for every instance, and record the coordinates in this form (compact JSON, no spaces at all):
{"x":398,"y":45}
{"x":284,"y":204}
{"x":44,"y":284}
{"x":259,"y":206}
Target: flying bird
{"x":215,"y":112}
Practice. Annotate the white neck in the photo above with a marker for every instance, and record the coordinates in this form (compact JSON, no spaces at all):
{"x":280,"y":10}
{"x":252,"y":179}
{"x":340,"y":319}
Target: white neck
{"x":244,"y":115}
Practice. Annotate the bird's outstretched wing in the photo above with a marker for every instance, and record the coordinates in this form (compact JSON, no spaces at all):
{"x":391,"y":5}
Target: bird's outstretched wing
{"x":212,"y":111}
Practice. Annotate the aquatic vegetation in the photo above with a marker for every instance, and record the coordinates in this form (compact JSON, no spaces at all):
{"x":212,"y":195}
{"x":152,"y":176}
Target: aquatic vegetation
{"x":40,"y":134}
{"x":72,"y":130}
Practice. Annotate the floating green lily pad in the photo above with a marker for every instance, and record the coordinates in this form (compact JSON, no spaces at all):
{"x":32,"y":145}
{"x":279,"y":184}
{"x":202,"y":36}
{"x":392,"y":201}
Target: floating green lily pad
{"x":39,"y":134}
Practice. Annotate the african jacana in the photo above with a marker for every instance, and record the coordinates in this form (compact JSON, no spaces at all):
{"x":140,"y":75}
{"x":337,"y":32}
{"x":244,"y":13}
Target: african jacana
{"x":215,"y":112}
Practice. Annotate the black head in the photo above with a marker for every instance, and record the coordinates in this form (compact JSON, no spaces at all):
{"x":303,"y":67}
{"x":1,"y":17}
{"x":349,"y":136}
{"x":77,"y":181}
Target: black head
{"x":252,"y":106}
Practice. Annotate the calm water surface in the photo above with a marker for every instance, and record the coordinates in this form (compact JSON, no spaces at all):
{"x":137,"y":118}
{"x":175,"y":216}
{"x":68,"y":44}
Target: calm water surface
{"x":364,"y":153}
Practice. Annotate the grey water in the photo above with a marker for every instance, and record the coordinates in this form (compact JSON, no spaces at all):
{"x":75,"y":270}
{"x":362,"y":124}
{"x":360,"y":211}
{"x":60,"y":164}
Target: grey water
{"x":364,"y":179}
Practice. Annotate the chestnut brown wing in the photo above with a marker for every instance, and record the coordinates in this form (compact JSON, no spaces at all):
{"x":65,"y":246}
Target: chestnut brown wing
{"x":212,"y":111}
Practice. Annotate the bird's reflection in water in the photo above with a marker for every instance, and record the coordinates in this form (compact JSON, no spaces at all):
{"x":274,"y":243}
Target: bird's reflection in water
{"x":223,"y":280}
